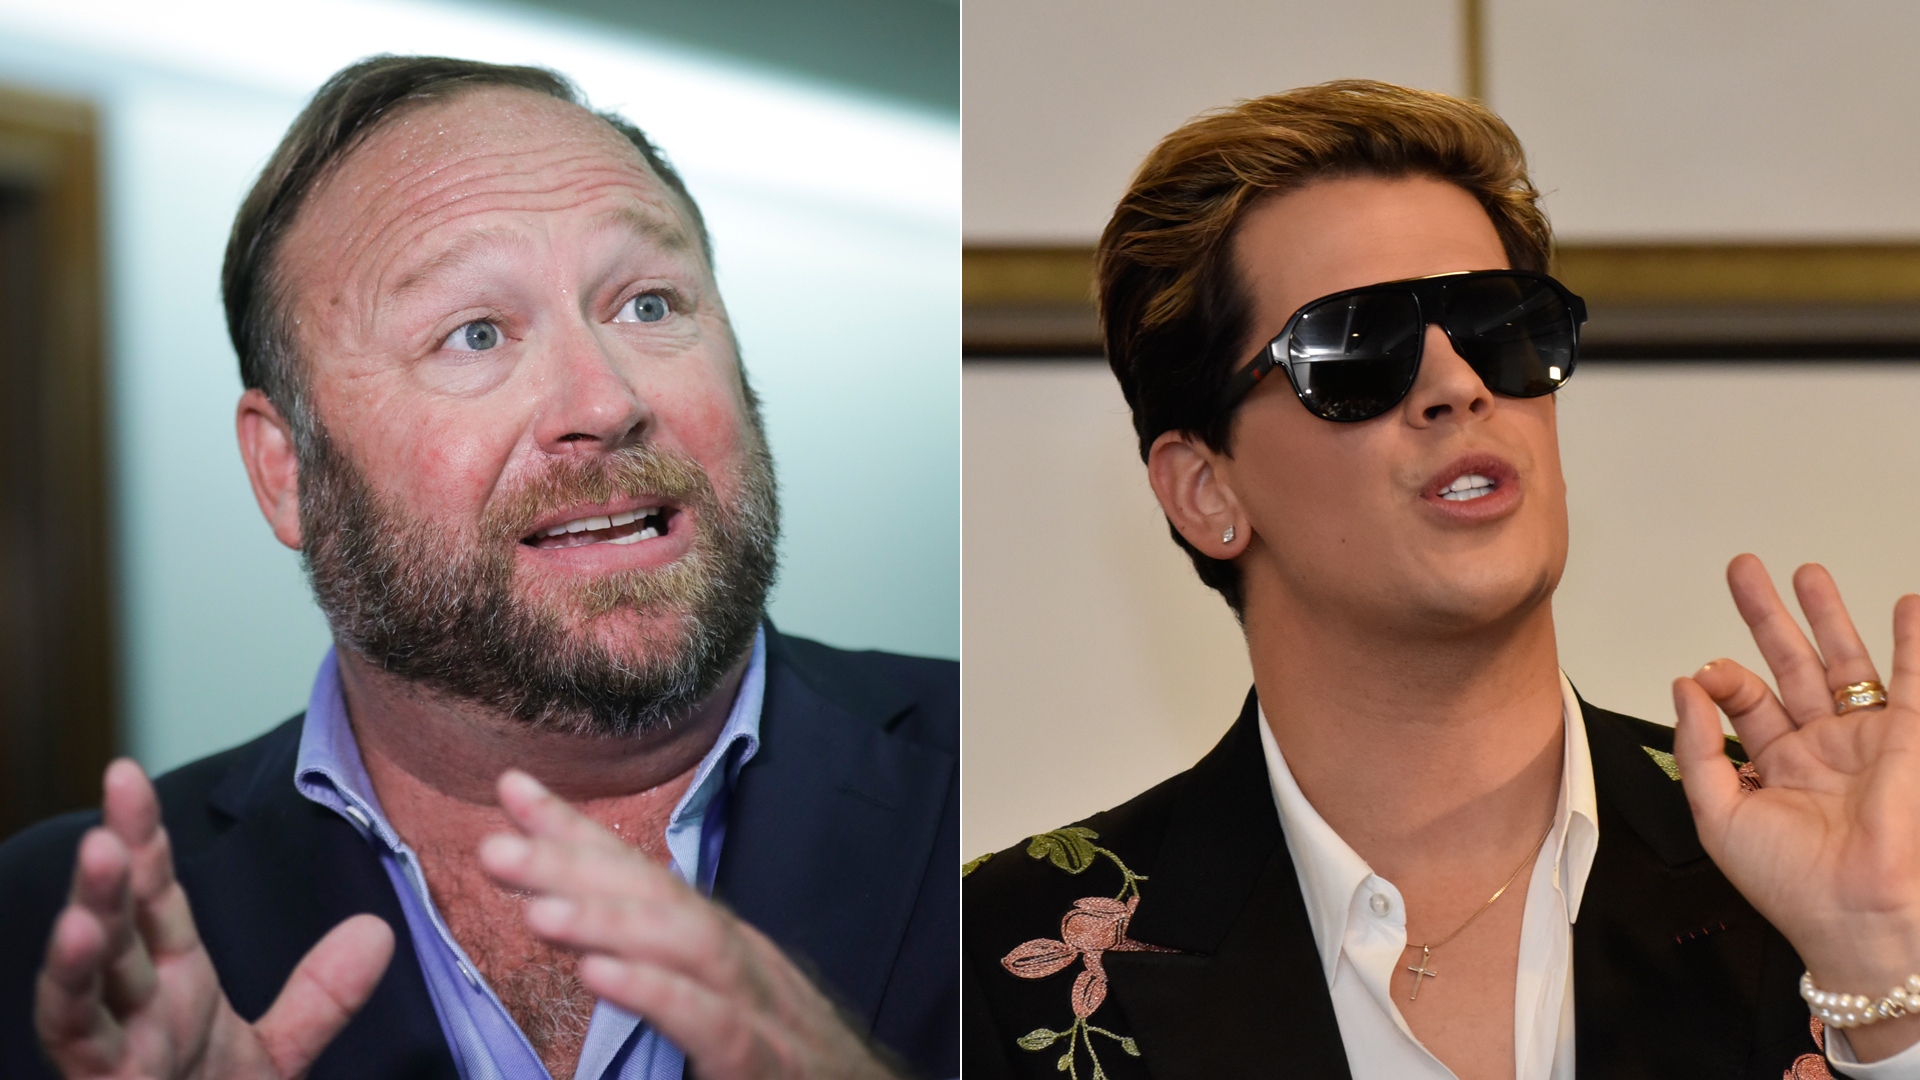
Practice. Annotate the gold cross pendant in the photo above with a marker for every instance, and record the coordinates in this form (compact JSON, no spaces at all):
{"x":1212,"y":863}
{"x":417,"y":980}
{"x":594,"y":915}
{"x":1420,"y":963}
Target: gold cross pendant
{"x":1420,"y":971}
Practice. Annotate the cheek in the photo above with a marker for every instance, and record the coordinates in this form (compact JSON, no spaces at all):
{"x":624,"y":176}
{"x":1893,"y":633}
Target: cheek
{"x":443,"y":464}
{"x":1301,"y":476}
{"x":700,"y":415}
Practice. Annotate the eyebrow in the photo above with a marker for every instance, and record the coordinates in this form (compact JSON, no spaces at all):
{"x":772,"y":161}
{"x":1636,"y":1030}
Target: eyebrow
{"x":666,"y":232}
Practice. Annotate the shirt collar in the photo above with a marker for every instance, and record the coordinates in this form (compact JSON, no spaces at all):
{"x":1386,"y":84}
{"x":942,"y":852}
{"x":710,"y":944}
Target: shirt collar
{"x":330,"y":771}
{"x":1331,"y":872}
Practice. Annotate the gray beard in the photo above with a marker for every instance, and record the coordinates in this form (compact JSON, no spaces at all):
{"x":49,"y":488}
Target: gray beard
{"x":443,"y":611}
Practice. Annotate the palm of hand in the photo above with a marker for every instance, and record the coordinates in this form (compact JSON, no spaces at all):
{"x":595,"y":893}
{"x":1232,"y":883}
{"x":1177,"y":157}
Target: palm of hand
{"x":1833,"y":832}
{"x":128,"y":990}
{"x":1829,"y":848}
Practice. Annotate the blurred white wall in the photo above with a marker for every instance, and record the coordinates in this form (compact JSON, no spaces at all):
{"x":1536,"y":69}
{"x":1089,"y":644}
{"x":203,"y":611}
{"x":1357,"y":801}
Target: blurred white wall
{"x":1097,"y":664}
{"x":835,"y":220}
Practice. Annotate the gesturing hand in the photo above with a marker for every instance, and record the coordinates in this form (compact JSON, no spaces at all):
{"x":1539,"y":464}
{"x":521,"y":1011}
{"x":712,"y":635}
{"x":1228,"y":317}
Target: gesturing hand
{"x":1829,"y":848}
{"x":713,"y":985}
{"x":129,"y":992}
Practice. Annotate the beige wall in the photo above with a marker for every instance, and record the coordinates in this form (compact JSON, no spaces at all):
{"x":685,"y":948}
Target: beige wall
{"x":1096,"y":663}
{"x":1062,"y":98}
{"x":1645,"y":119}
{"x":1715,"y":119}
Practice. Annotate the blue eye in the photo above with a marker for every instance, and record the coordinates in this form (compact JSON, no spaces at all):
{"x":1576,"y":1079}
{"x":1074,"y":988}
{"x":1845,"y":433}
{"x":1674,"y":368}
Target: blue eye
{"x":650,"y":307}
{"x":476,"y":336}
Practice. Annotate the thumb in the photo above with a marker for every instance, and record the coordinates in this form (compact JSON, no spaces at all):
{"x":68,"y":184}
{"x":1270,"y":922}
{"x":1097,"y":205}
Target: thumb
{"x":1711,"y":779}
{"x":330,"y":984}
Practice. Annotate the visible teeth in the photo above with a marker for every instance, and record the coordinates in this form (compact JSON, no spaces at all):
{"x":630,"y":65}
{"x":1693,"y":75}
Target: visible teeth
{"x":591,"y":524}
{"x":1470,"y":486}
{"x":647,"y":533}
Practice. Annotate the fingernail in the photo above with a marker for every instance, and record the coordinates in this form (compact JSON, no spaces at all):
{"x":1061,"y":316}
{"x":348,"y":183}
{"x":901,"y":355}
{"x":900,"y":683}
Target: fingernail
{"x":523,"y":781}
{"x":551,"y":914}
{"x":505,"y":850}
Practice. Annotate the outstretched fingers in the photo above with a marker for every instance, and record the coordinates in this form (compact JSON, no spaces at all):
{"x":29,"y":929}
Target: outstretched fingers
{"x":1840,"y":645}
{"x":1796,"y":667}
{"x":1711,"y":779}
{"x":541,"y":813}
{"x":1756,"y":714}
{"x":329,"y":986}
{"x":708,"y":1025}
{"x":70,"y":1013}
{"x":689,"y":935}
{"x":131,"y":811}
{"x":1904,"y":692}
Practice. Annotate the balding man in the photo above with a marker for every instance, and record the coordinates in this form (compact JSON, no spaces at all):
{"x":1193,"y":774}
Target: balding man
{"x":494,"y":399}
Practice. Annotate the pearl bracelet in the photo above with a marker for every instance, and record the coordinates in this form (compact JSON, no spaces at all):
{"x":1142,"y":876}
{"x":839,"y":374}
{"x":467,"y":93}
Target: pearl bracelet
{"x":1856,"y":1010}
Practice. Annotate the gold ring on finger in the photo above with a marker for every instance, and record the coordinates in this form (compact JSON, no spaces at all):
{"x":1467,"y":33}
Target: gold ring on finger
{"x":1860,"y":695}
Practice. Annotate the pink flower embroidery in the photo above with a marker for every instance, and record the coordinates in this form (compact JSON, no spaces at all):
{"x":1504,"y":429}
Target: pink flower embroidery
{"x":1096,"y":925}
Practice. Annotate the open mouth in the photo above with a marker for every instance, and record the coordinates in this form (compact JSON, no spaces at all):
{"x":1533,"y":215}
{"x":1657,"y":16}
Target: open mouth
{"x":1470,"y":486}
{"x":629,"y":527}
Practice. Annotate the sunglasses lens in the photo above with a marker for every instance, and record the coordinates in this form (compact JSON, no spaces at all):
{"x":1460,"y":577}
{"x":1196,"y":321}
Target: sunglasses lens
{"x":1353,"y":357}
{"x":1516,"y":333}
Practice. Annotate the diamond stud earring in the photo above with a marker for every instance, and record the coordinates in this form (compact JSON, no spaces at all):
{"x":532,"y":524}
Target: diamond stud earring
{"x":1227,"y":537}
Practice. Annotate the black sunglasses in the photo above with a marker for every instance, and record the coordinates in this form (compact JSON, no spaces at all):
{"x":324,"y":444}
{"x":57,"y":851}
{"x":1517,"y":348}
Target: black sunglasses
{"x":1353,"y":355}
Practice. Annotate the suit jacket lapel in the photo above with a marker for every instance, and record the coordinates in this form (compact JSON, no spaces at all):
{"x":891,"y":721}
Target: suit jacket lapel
{"x":831,"y":829}
{"x":282,"y":874}
{"x":1246,"y":989}
{"x":1675,"y":974}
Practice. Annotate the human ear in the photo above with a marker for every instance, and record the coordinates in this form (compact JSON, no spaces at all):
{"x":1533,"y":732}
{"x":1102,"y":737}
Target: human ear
{"x":266,"y":448}
{"x":1196,"y":499}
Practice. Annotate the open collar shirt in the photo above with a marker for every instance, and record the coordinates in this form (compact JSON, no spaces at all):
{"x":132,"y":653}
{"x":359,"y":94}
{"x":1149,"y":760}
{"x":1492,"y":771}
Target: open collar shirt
{"x":485,"y":1041}
{"x":1359,"y":925}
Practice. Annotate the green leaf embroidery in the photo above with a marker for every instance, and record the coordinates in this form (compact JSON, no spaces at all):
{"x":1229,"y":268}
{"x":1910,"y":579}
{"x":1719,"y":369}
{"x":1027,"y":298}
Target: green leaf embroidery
{"x":1038,"y":1039}
{"x":1065,"y":1062}
{"x":1070,"y":849}
{"x":1665,"y":761}
{"x":970,"y":867}
{"x":1131,"y":1047}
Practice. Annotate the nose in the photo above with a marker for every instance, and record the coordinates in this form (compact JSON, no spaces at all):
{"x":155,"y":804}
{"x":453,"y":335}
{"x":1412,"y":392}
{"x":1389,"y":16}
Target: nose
{"x":1446,"y":388}
{"x":590,"y":405}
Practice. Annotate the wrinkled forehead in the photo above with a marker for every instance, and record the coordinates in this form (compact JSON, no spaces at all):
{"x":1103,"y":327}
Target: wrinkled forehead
{"x":428,"y":171}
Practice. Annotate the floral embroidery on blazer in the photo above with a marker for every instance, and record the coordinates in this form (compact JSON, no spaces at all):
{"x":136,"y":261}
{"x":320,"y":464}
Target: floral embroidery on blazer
{"x":1094,"y":926}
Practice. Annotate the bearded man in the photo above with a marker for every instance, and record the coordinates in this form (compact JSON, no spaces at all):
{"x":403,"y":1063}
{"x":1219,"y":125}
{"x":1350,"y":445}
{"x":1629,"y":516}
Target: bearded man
{"x":494,"y":400}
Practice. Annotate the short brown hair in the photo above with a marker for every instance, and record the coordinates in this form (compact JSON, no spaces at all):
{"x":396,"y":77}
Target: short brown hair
{"x":343,"y":113}
{"x":1173,"y":311}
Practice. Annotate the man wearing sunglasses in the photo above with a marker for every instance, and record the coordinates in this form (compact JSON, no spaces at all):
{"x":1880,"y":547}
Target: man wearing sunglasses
{"x":1417,"y":853}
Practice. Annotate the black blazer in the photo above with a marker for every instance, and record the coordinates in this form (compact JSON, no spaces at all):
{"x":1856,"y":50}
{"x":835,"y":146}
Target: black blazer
{"x":841,"y":843}
{"x":1675,"y":974}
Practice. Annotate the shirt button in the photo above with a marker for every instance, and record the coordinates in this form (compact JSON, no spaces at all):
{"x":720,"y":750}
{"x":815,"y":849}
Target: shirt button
{"x":473,"y":977}
{"x":1379,"y":903}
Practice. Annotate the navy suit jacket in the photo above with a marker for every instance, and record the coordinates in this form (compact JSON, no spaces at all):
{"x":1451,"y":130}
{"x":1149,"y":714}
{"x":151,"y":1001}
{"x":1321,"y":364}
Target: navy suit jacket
{"x":842,"y":840}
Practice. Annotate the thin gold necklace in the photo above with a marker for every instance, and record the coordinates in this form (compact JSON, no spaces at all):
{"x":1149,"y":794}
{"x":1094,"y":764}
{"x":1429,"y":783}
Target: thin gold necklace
{"x":1420,"y":970}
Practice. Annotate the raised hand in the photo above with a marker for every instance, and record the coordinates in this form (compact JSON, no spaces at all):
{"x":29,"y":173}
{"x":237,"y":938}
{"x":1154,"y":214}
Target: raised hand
{"x":128,"y":991}
{"x":1829,"y":848}
{"x":713,"y":985}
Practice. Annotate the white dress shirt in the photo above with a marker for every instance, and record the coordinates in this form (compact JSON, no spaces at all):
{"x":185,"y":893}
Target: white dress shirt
{"x":1360,"y":928}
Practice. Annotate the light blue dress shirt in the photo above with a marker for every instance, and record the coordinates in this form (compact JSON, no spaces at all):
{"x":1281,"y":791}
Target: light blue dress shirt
{"x":486,"y":1043}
